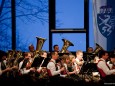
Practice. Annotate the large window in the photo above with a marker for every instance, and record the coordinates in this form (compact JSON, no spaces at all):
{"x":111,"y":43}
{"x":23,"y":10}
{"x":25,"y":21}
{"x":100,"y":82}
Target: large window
{"x":32,"y":22}
{"x":49,"y":19}
{"x":5,"y":25}
{"x":69,"y":14}
{"x":69,"y":20}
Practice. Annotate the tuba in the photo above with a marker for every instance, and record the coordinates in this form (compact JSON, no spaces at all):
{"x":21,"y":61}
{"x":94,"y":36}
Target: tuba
{"x":39,"y":45}
{"x":97,"y":49}
{"x":40,"y":42}
{"x":65,"y":45}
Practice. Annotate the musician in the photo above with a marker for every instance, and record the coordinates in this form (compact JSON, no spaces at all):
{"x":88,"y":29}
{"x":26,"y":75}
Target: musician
{"x":31,"y":50}
{"x":3,"y":68}
{"x":25,"y":65}
{"x":54,"y":72}
{"x":104,"y":69}
{"x":52,"y":66}
{"x":89,"y":50}
{"x":66,"y":62}
{"x":73,"y":69}
{"x":56,"y":48}
{"x":42,"y":60}
{"x":111,"y":61}
{"x":79,"y":59}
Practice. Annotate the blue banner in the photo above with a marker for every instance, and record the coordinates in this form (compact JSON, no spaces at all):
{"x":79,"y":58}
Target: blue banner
{"x":104,"y":23}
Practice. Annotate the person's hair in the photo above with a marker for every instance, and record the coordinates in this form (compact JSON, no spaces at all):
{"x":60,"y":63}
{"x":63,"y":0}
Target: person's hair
{"x":26,"y":54}
{"x":71,"y":57}
{"x":101,"y":53}
{"x":31,"y":45}
{"x":55,"y":45}
{"x":42,"y":52}
{"x":53,"y":53}
{"x":64,"y":57}
{"x":79,"y":51}
{"x":89,"y":48}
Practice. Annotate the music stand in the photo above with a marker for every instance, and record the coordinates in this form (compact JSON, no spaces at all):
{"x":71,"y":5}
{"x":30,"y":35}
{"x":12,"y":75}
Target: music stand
{"x":87,"y":69}
{"x":88,"y":57}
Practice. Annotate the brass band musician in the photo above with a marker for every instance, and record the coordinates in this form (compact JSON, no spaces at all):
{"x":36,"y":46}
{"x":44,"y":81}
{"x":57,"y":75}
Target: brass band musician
{"x":104,"y":69}
{"x":3,"y":68}
{"x":25,"y":65}
{"x":111,"y":61}
{"x":79,"y":60}
{"x":52,"y":67}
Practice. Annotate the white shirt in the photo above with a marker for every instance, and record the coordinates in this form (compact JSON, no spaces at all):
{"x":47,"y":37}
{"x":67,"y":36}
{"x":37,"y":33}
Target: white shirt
{"x":51,"y":66}
{"x":102,"y":65}
{"x":78,"y":68}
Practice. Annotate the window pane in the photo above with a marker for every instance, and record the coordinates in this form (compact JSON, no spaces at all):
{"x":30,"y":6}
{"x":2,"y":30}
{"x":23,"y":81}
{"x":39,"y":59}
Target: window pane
{"x":5,"y":27}
{"x":32,"y":22}
{"x":78,"y":39}
{"x":91,"y":32}
{"x":69,"y":14}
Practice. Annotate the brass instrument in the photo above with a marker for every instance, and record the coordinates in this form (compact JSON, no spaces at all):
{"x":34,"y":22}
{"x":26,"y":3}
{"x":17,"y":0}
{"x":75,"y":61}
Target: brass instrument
{"x":39,"y":45}
{"x":40,"y":42}
{"x":10,"y":56}
{"x":97,"y":49}
{"x":66,"y":45}
{"x":18,"y":55}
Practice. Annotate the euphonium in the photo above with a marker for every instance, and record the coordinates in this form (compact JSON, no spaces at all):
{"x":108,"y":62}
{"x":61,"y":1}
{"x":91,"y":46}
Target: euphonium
{"x":66,"y":45}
